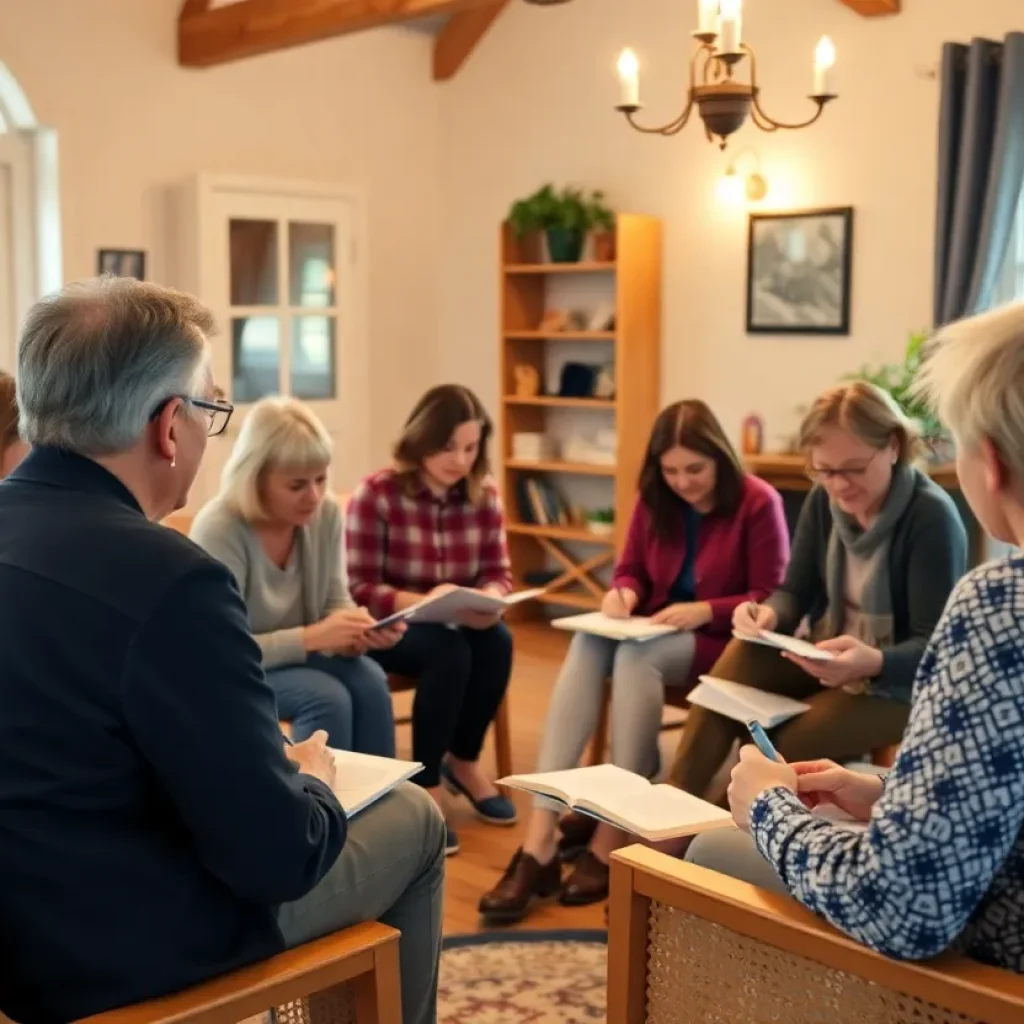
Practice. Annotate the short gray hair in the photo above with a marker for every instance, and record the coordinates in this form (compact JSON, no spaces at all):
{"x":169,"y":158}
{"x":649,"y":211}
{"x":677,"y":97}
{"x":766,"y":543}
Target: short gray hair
{"x":279,"y":433}
{"x":973,"y":377}
{"x":96,"y":359}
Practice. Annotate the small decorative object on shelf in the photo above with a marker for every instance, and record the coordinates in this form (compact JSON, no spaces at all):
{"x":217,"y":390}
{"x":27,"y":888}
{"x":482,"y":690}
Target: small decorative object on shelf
{"x":722,"y":101}
{"x":564,"y":217}
{"x":527,"y":381}
{"x":597,"y":451}
{"x":531,"y":447}
{"x":604,"y":382}
{"x":601,"y":521}
{"x":585,"y":380}
{"x":603,"y":318}
{"x":555,"y":321}
{"x":752,"y":440}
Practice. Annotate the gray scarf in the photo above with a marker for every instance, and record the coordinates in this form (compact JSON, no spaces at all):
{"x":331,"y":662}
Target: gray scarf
{"x":872,"y":547}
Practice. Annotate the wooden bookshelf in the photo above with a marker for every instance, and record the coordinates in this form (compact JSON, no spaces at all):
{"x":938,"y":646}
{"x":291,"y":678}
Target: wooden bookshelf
{"x":632,"y":285}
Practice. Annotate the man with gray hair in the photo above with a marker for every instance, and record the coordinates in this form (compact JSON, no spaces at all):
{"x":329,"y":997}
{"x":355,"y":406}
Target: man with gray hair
{"x":154,"y":830}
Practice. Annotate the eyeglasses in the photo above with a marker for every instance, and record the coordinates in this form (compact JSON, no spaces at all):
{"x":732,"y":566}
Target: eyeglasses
{"x":846,"y":473}
{"x":219,"y":413}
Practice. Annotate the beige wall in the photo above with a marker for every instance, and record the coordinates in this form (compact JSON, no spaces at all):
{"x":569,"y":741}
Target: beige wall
{"x":357,"y":110}
{"x":535,"y":103}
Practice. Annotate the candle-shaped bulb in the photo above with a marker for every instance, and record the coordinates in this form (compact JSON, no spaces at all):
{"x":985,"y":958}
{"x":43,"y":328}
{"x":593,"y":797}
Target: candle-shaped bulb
{"x":730,"y":21}
{"x":824,"y":61}
{"x":707,"y":16}
{"x":629,"y":78}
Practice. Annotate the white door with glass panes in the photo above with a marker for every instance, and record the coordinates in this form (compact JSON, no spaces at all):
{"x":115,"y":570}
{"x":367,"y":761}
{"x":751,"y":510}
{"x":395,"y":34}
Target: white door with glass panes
{"x":283,"y":281}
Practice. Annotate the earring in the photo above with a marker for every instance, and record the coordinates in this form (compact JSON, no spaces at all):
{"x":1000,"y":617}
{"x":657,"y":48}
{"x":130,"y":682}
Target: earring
{"x":174,"y":462}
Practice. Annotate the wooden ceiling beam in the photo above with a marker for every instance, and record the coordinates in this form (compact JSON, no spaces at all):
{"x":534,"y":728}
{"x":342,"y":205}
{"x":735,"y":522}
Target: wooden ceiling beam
{"x":221,"y":34}
{"x":457,"y":40}
{"x":873,"y":8}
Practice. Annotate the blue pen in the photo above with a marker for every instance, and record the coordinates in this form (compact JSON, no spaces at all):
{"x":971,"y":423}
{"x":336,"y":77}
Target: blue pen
{"x":760,"y":737}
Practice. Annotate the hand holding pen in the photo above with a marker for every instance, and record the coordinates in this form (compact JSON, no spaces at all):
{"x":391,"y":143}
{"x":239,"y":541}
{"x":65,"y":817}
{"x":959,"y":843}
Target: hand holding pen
{"x":619,"y":603}
{"x":750,"y":618}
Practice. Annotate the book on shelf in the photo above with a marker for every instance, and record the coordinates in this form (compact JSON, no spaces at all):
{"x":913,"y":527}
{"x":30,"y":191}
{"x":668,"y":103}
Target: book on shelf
{"x":540,"y":503}
{"x":625,"y":800}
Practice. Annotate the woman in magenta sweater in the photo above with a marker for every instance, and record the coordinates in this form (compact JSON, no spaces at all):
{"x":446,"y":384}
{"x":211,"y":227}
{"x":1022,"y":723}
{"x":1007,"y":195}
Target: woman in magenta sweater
{"x":704,"y":537}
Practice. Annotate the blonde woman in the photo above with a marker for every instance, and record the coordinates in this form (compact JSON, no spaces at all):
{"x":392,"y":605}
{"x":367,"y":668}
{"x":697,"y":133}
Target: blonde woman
{"x":12,"y":448}
{"x":877,"y":551}
{"x":279,"y":532}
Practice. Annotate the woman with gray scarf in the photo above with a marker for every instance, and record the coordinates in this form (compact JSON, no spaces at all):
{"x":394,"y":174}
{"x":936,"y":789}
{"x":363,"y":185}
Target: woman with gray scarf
{"x":878,"y":549}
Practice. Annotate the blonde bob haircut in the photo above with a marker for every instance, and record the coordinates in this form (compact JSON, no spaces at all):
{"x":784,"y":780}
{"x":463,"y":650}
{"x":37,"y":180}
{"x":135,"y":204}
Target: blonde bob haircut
{"x":278,"y":433}
{"x":867,"y":412}
{"x":973,"y":377}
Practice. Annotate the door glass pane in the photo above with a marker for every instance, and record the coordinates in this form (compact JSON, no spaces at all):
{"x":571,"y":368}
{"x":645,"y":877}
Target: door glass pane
{"x":311,"y":264}
{"x":253,"y":256}
{"x":312,"y":353}
{"x":255,"y":357}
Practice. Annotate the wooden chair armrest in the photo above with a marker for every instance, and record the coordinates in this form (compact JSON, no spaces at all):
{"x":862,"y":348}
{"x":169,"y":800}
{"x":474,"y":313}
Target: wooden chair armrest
{"x":779,"y":921}
{"x":289,"y":976}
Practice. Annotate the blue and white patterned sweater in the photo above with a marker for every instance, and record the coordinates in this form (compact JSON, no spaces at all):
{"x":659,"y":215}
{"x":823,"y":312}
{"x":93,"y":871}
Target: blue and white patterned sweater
{"x":942,"y":861}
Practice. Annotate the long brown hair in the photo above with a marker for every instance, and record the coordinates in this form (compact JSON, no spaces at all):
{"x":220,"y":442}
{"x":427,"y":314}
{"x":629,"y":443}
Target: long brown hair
{"x":8,"y":412}
{"x":688,"y":424}
{"x":429,"y":428}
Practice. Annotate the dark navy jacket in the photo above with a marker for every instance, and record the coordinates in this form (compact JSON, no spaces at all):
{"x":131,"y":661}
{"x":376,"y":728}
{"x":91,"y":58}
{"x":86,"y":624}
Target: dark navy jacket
{"x":150,"y":822}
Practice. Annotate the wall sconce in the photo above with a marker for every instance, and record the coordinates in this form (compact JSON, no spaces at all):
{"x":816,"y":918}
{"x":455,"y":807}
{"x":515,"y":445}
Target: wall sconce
{"x":737,"y":185}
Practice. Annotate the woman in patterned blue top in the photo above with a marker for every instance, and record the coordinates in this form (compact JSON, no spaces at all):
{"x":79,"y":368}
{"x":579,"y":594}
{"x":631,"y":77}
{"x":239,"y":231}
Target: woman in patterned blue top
{"x":941,"y":862}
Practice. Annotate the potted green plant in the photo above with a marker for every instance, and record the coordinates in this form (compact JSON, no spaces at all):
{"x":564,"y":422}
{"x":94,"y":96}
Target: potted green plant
{"x":565,"y":217}
{"x":896,"y":379}
{"x":601,"y":521}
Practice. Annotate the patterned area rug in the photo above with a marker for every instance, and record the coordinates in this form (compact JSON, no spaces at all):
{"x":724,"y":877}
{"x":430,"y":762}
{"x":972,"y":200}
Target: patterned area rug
{"x":554,"y":977}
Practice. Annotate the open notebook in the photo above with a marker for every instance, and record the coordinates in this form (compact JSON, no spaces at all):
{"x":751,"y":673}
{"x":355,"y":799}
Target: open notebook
{"x":626,"y":801}
{"x":743,"y":703}
{"x":362,"y":779}
{"x":446,"y":608}
{"x":781,"y":642}
{"x":636,"y":627}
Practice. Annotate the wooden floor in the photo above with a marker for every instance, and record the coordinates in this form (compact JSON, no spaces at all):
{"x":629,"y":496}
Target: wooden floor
{"x":486,"y":849}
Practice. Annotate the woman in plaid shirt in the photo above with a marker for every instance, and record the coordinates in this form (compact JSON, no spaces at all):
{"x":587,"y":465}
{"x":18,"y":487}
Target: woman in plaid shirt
{"x":431,"y":522}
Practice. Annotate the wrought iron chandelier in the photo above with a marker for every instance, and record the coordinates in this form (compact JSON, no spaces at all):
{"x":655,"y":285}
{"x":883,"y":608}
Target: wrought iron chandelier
{"x":723,"y":101}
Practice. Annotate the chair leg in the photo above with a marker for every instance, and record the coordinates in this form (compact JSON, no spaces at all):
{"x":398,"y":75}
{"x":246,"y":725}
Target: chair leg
{"x":378,"y":994}
{"x":503,"y":740}
{"x":599,"y":742}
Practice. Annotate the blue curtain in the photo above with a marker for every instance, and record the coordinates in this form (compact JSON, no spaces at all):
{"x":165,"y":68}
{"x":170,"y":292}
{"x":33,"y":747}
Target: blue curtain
{"x":981,"y":170}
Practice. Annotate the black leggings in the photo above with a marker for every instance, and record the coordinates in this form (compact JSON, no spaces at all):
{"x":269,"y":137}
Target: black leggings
{"x":461,"y":678}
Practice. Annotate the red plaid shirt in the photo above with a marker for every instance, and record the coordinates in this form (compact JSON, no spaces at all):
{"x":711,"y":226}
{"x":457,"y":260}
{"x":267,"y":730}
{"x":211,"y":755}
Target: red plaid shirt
{"x":395,"y":541}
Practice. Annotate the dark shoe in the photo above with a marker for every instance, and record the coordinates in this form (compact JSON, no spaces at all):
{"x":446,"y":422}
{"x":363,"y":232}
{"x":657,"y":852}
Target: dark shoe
{"x":577,"y":831}
{"x":525,"y":878}
{"x":587,"y":884}
{"x":495,"y":810}
{"x":451,"y":843}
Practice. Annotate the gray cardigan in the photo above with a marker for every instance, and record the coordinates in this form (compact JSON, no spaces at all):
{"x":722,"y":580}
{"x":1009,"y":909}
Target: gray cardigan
{"x":231,"y":540}
{"x":927,"y":557}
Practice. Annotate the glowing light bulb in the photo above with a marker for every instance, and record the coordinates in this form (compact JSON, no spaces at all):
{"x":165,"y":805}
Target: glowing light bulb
{"x":629,"y":78}
{"x":730,"y":188}
{"x":824,"y":61}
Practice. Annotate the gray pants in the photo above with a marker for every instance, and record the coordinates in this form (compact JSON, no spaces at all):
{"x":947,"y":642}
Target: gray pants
{"x":392,"y":870}
{"x":732,"y":852}
{"x":639,"y":674}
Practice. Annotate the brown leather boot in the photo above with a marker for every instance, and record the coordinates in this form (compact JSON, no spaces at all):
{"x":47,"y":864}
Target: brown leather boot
{"x":525,"y":878}
{"x":577,"y":831}
{"x":587,"y":884}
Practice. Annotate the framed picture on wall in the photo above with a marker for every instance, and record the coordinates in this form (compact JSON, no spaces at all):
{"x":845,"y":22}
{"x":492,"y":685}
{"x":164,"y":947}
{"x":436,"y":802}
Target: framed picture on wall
{"x":798,"y":272}
{"x":122,"y":263}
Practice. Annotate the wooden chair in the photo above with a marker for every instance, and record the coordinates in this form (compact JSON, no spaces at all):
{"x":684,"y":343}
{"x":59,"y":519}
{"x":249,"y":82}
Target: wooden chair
{"x":688,"y":946}
{"x":350,"y":977}
{"x":502,"y":727}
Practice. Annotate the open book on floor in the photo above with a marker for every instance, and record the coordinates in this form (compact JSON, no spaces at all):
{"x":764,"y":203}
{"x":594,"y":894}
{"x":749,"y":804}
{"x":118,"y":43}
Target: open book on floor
{"x":782,"y":642}
{"x":446,"y":608}
{"x":743,"y":703}
{"x":626,"y":801}
{"x":362,"y":779}
{"x":637,"y":627}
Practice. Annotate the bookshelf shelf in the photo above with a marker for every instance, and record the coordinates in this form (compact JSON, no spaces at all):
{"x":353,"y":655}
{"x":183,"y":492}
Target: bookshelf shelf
{"x":576,"y":534}
{"x":558,"y":402}
{"x":631,"y":286}
{"x":578,"y":468}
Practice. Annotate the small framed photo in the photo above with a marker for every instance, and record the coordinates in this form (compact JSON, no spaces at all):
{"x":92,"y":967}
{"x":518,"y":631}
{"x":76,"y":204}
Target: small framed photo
{"x":798,"y":272}
{"x":122,"y":263}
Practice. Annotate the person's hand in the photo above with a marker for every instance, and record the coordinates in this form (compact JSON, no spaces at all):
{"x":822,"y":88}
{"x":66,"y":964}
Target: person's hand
{"x":825,"y":782}
{"x":691,"y":615}
{"x":382,"y":639}
{"x":854,"y":662}
{"x":313,"y":758}
{"x":619,"y":603}
{"x":749,"y":619}
{"x":751,"y":777}
{"x":342,"y":630}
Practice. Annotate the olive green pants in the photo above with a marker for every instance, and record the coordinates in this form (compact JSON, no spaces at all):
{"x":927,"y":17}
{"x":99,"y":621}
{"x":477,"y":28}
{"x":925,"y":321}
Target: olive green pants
{"x":840,"y":725}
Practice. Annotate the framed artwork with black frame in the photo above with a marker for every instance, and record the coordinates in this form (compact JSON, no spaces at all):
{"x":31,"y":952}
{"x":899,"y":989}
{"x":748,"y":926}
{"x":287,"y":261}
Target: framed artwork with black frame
{"x":122,"y":263}
{"x":799,"y":268}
